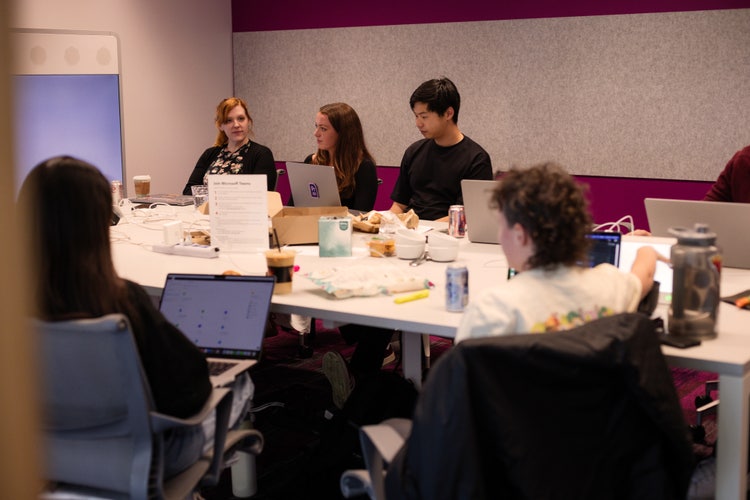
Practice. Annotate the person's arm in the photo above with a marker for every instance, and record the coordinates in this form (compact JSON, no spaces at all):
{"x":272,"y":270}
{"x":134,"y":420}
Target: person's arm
{"x":721,"y":190}
{"x":196,"y":177}
{"x":262,"y":162}
{"x":398,"y":208}
{"x":366,"y":187}
{"x":644,"y":267}
{"x":176,"y":369}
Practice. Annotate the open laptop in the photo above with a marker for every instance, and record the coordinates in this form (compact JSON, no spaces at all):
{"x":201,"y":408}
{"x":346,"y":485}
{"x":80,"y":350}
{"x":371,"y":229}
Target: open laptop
{"x":725,"y":219}
{"x":481,"y":221}
{"x":313,"y":185}
{"x":663,"y":274}
{"x":605,"y":248}
{"x":225,"y":316}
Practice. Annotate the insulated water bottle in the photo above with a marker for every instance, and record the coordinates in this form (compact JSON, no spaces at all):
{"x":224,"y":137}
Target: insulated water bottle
{"x":696,"y":267}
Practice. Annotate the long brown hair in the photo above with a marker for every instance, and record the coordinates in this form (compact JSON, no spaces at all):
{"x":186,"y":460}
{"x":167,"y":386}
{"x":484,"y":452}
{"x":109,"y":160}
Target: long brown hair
{"x":350,"y":148}
{"x":222,"y":111}
{"x":68,"y":203}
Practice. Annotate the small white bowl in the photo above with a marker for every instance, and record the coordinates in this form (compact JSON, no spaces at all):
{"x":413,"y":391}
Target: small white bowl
{"x":437,"y":239}
{"x":443,"y":253}
{"x":409,"y":236}
{"x":409,"y":250}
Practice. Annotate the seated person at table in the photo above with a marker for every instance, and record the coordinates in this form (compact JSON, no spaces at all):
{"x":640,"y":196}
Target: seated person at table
{"x":68,"y":203}
{"x":733,"y":184}
{"x":233,"y":152}
{"x":429,"y":180}
{"x":341,"y":144}
{"x":543,"y":219}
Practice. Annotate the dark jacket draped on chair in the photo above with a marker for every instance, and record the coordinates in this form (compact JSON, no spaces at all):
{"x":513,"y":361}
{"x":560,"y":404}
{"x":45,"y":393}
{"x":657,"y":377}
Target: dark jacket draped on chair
{"x":588,"y":413}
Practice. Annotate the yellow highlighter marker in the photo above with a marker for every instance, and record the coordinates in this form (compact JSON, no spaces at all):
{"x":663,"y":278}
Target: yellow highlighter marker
{"x":422,"y":294}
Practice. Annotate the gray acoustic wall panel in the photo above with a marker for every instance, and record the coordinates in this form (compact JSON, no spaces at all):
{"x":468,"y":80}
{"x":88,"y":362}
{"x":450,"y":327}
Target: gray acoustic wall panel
{"x":650,"y":95}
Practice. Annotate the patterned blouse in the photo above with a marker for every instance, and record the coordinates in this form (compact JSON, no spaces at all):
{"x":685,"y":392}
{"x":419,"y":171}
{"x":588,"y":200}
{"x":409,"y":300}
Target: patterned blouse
{"x":227,"y":162}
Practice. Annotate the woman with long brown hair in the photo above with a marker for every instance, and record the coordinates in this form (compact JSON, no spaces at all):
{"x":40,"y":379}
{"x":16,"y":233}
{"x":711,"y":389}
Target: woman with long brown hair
{"x":68,"y":205}
{"x":341,"y":144}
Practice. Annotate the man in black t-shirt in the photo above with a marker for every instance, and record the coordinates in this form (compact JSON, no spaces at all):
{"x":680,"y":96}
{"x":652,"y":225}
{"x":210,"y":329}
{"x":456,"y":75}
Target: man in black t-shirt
{"x":432,"y":168}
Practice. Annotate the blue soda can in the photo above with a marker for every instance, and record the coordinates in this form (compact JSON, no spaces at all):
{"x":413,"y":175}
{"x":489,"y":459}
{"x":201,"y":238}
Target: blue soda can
{"x":456,"y":288}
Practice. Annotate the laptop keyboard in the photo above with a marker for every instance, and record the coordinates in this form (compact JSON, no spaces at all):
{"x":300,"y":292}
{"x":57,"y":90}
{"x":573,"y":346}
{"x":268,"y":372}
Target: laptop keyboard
{"x":219,"y":367}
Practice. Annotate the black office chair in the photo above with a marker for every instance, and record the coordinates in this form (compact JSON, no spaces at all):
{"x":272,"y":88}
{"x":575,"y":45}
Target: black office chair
{"x":587,"y":413}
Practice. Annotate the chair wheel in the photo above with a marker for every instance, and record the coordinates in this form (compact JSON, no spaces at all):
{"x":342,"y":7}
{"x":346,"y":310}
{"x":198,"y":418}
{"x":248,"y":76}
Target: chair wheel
{"x":702,"y":401}
{"x":305,"y":351}
{"x":699,"y":433}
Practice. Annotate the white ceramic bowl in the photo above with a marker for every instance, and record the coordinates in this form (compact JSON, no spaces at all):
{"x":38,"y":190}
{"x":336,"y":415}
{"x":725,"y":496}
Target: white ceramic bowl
{"x":409,"y":236}
{"x":438,"y":239}
{"x":443,"y":253}
{"x":409,"y":250}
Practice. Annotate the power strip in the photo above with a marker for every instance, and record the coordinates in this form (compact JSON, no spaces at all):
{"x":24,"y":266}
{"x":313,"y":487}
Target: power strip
{"x":203,"y":251}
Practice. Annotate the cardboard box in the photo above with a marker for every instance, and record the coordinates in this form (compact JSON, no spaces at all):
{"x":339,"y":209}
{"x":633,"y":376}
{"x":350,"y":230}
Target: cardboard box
{"x":299,"y":226}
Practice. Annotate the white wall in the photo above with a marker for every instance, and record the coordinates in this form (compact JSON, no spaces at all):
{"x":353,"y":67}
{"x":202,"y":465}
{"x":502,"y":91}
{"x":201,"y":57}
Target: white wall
{"x":176,"y":65}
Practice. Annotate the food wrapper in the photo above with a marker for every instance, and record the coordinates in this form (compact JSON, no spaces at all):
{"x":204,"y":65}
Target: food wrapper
{"x":370,"y":222}
{"x":366,"y":281}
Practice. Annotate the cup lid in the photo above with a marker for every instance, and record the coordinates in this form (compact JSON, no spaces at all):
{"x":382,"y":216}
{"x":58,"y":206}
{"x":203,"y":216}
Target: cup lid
{"x":699,"y":234}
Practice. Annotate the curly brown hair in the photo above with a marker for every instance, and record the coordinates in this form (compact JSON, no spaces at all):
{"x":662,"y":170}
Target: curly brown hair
{"x":551,"y":206}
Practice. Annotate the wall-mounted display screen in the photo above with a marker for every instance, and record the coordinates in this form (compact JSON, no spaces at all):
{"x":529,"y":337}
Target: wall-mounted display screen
{"x":76,"y":115}
{"x":66,"y":100}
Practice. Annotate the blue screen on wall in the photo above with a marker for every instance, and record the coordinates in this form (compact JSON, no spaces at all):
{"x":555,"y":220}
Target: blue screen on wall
{"x":76,"y":115}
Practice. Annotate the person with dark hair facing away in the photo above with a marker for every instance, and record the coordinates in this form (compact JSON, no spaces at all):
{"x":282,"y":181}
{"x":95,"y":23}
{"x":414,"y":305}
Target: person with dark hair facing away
{"x":432,"y":168}
{"x":733,"y":184}
{"x":68,"y":205}
{"x":341,"y":145}
{"x":233,"y":152}
{"x":543,"y":219}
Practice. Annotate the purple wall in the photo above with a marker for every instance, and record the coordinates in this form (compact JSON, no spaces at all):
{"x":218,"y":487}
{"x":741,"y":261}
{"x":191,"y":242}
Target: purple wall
{"x":254,"y":15}
{"x":610,"y":197}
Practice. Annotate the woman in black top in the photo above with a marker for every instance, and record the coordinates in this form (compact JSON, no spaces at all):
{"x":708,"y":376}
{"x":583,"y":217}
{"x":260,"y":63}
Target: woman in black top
{"x":233,"y":152}
{"x":69,"y":205}
{"x":341,"y":144}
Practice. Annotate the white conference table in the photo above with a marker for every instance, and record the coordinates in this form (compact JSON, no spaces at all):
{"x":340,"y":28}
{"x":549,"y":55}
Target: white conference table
{"x":728,"y":354}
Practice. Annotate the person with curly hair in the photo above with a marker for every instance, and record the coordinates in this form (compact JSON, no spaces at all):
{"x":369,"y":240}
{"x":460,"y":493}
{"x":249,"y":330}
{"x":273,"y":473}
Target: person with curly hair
{"x":543,"y":219}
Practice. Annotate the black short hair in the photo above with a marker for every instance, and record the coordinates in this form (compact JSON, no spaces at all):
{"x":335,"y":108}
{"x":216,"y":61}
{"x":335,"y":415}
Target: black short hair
{"x":439,"y":94}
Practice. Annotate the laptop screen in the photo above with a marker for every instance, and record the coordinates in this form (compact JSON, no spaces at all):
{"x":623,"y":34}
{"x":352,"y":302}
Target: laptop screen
{"x":225,"y":316}
{"x":313,"y":185}
{"x":663,"y":246}
{"x":605,"y":248}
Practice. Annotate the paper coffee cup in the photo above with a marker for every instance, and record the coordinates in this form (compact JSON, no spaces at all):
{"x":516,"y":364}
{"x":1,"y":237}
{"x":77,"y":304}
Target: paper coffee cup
{"x":281,"y":264}
{"x":142,"y":184}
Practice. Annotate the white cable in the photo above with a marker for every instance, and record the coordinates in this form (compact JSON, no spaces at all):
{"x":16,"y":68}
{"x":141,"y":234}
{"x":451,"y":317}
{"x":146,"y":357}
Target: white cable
{"x":625,"y":222}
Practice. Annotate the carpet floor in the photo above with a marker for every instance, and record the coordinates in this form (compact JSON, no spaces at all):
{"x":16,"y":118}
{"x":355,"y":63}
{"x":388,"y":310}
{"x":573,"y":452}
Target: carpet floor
{"x":304,"y":452}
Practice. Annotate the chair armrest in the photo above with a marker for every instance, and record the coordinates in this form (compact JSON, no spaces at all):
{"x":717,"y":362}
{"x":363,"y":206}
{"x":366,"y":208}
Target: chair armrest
{"x":219,"y":400}
{"x":161,"y":422}
{"x":355,"y":482}
{"x":380,"y":443}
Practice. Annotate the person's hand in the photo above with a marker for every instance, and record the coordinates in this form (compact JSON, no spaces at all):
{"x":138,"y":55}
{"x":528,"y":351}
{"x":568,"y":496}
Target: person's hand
{"x":639,"y":232}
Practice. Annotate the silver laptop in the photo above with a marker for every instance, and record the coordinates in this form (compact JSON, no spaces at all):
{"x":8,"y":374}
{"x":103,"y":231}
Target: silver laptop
{"x":481,"y":220}
{"x":313,"y":185}
{"x":225,"y":316}
{"x":725,"y":219}
{"x":663,"y":274}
